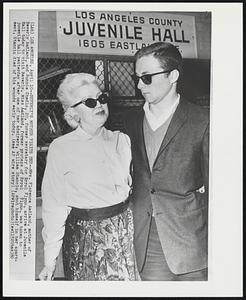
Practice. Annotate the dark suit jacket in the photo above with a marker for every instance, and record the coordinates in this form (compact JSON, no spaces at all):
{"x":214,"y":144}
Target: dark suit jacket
{"x":173,"y":187}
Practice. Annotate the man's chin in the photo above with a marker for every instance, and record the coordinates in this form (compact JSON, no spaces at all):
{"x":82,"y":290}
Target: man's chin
{"x":149,"y":100}
{"x":148,"y":97}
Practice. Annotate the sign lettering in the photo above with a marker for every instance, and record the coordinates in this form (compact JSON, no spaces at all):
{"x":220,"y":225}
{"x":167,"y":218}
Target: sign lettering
{"x":123,"y":33}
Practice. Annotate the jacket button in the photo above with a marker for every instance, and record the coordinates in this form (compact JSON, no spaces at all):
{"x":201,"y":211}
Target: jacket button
{"x":152,"y":191}
{"x":148,"y":214}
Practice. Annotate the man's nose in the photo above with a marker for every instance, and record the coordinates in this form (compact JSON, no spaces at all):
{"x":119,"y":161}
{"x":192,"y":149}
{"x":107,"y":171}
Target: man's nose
{"x":140,"y":83}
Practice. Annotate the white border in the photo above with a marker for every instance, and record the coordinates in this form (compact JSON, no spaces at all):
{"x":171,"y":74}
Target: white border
{"x":225,"y":238}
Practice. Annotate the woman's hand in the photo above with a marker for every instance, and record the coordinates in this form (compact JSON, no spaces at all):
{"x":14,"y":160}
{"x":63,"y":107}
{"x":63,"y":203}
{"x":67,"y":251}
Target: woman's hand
{"x":47,"y":273}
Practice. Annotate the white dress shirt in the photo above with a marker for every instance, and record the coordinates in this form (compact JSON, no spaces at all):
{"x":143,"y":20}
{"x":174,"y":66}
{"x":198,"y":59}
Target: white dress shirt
{"x":82,"y":171}
{"x":155,"y":122}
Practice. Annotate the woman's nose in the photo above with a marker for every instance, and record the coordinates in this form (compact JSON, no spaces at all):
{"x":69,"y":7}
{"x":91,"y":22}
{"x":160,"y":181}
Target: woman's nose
{"x":98,"y":104}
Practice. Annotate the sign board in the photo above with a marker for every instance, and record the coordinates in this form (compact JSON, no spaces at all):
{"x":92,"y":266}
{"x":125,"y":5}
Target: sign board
{"x":123,"y":33}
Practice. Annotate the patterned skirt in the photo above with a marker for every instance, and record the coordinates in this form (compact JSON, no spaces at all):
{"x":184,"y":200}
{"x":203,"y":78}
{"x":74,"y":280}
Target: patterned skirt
{"x":99,"y":249}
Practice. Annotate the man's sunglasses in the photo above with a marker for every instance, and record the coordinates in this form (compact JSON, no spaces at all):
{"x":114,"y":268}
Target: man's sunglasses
{"x":146,"y":78}
{"x":91,"y":103}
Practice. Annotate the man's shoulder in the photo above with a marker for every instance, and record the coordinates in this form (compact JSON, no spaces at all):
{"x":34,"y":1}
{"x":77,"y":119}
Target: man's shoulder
{"x":132,"y":112}
{"x":198,"y":112}
{"x":131,"y":115}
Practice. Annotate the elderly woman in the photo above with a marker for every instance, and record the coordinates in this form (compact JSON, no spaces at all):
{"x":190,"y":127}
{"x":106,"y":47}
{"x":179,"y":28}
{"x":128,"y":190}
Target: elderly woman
{"x":85,"y":191}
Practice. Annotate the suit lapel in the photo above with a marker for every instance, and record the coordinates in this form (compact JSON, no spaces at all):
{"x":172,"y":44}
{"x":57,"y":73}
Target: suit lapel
{"x":175,"y":125}
{"x":139,"y":136}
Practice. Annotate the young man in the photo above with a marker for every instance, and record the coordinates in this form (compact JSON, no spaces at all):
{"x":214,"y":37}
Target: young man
{"x":169,"y":139}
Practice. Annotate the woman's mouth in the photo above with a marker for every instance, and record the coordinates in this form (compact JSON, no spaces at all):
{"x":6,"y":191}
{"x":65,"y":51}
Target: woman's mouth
{"x":100,"y":112}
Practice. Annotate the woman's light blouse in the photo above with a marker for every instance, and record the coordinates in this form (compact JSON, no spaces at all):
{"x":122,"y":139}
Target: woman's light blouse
{"x":82,"y":171}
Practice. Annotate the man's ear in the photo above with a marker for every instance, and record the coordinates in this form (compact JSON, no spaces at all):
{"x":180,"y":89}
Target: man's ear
{"x":174,"y":76}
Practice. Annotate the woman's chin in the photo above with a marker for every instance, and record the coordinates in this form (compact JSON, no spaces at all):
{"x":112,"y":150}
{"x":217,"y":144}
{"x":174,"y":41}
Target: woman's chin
{"x":101,"y":119}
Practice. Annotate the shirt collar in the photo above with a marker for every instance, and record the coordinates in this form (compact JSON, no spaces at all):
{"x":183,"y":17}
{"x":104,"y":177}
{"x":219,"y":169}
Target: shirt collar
{"x":155,"y":122}
{"x":82,"y":133}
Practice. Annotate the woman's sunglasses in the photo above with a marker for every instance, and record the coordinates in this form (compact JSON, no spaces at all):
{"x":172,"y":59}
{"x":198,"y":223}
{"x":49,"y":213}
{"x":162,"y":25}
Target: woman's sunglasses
{"x":146,"y":78}
{"x":91,"y":103}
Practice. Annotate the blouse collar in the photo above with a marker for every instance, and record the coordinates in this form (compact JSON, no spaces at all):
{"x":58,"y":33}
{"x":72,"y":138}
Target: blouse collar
{"x":85,"y":135}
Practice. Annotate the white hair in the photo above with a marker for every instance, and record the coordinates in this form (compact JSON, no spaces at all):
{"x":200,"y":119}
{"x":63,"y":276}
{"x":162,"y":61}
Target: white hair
{"x":70,"y":83}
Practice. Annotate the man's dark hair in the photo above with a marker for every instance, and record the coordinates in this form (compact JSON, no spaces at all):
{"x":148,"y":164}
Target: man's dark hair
{"x":167,"y":54}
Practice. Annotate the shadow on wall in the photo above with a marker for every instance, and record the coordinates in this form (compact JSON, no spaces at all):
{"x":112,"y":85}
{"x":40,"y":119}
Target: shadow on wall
{"x":195,"y":82}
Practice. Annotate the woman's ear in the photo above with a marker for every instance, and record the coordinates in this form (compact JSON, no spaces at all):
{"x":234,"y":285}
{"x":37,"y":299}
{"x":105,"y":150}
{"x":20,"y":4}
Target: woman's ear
{"x":174,"y":76}
{"x":65,"y":107}
{"x":71,"y":117}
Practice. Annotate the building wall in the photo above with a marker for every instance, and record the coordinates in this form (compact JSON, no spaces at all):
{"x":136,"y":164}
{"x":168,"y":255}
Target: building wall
{"x":48,"y":37}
